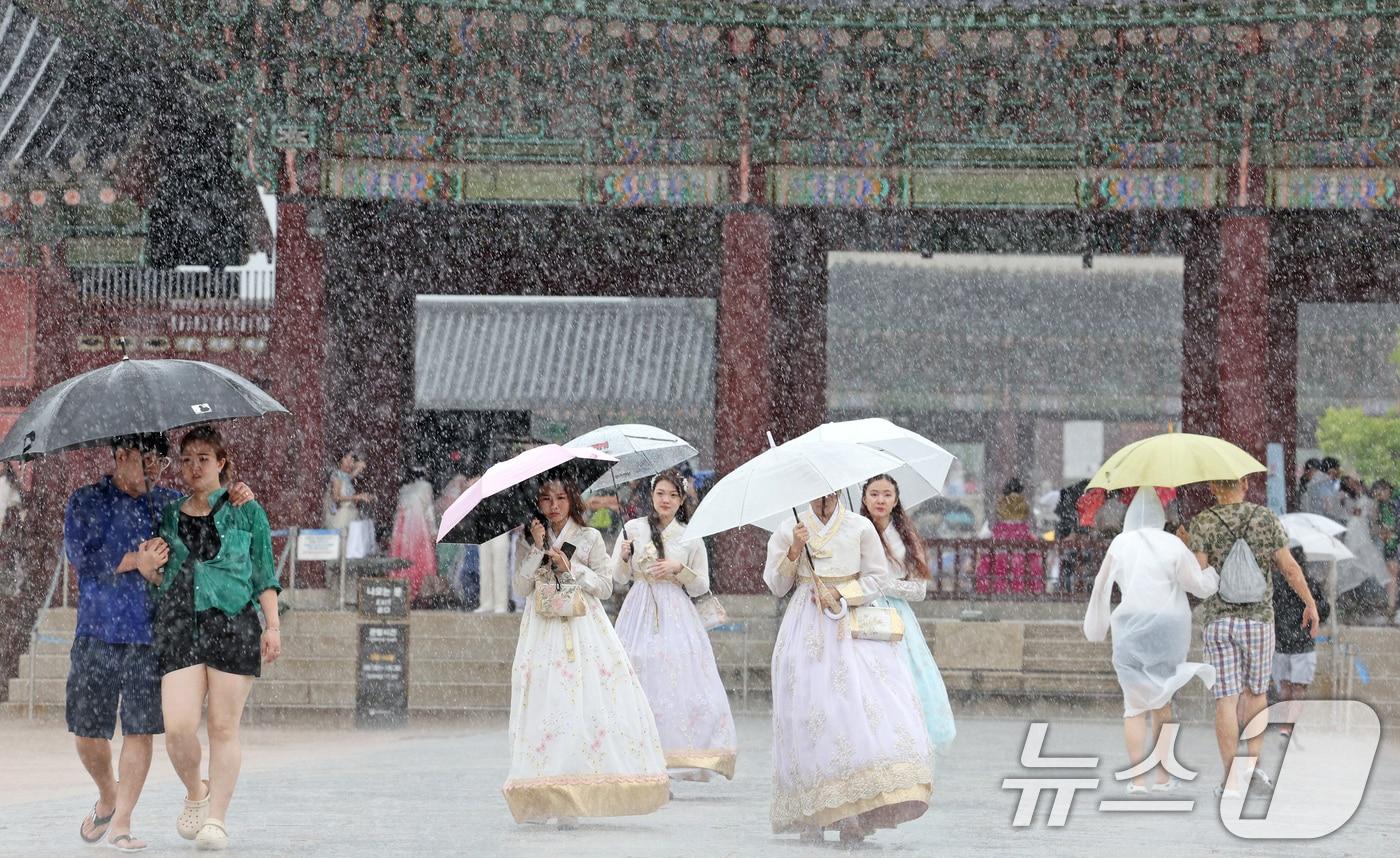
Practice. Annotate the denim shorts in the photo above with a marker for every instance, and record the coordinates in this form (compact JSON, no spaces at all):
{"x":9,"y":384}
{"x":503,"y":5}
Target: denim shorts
{"x":106,"y":679}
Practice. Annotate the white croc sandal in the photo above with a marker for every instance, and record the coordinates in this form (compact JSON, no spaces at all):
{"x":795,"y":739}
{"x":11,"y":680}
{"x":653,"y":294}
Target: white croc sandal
{"x":213,"y":837}
{"x":193,"y":816}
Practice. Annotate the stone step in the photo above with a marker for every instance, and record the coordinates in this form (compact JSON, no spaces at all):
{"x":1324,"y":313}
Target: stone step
{"x":1033,"y":684}
{"x":297,"y":692}
{"x":1044,"y":664}
{"x":440,"y":670}
{"x":311,"y":669}
{"x":458,"y":695}
{"x":47,"y":691}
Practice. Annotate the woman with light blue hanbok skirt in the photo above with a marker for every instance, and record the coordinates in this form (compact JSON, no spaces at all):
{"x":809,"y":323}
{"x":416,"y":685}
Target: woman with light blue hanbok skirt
{"x":909,"y":583}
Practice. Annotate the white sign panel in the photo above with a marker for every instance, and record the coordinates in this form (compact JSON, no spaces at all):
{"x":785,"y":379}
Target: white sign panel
{"x":1083,"y":448}
{"x":318,"y":545}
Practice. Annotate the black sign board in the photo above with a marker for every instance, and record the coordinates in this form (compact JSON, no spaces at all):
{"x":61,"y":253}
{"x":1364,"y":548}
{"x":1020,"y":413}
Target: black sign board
{"x":383,"y":598}
{"x":381,"y":689}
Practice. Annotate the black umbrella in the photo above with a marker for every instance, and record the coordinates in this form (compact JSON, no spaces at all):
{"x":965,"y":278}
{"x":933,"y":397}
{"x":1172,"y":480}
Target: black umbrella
{"x":131,"y":397}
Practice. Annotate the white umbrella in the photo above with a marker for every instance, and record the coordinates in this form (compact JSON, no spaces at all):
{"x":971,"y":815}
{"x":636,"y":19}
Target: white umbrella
{"x":923,"y":467}
{"x":1317,"y":546}
{"x":769,"y":486}
{"x":1312,"y":520}
{"x":641,"y":451}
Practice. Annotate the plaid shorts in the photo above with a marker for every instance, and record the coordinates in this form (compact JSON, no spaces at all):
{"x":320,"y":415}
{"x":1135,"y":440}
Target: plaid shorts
{"x":1242,"y":653}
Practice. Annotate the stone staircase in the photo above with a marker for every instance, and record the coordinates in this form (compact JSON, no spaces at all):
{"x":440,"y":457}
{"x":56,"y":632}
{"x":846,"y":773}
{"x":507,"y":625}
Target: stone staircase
{"x":1028,"y":659}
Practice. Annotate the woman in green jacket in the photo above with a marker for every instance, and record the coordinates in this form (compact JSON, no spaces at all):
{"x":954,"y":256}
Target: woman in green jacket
{"x":210,"y":641}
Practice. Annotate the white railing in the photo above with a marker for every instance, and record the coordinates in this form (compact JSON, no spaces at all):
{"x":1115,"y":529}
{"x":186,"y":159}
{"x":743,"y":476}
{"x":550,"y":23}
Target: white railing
{"x":120,"y":284}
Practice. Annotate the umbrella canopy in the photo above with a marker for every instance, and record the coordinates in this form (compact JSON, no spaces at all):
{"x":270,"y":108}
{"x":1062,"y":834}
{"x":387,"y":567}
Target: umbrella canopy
{"x":769,"y":486}
{"x":1174,"y":459}
{"x":1329,"y":526}
{"x":506,"y":495}
{"x":132,"y":397}
{"x":1317,"y":544}
{"x":641,"y":451}
{"x":923,"y":465}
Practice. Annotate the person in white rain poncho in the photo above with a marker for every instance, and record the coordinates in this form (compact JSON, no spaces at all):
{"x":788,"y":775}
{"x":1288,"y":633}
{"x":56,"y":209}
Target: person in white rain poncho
{"x":666,"y":639}
{"x":583,"y":741}
{"x":850,"y":749}
{"x":1154,"y":570}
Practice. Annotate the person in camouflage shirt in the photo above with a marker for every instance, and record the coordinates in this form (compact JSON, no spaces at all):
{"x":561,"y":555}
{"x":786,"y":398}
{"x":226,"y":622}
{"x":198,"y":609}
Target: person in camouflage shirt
{"x":1239,"y":638}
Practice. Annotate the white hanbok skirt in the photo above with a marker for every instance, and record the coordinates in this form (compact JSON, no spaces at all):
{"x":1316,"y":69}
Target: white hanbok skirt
{"x":670,"y":650}
{"x":582,"y":737}
{"x":849,"y":739}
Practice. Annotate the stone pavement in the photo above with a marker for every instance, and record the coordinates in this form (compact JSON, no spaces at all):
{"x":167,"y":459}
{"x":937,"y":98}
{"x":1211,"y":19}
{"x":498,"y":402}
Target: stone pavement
{"x":434,"y":789}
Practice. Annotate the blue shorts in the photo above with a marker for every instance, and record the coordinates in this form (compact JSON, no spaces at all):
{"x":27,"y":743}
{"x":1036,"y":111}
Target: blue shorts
{"x":106,"y":678}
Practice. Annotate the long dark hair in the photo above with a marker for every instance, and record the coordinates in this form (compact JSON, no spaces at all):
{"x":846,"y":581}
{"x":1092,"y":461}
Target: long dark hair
{"x":673,"y":477}
{"x":914,"y":547}
{"x":571,"y":492}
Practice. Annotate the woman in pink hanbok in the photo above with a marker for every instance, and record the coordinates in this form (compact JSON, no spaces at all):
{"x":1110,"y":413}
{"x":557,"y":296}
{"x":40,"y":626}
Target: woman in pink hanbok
{"x":850,"y":748}
{"x":414,"y":538}
{"x":1011,"y":570}
{"x":665,"y":638}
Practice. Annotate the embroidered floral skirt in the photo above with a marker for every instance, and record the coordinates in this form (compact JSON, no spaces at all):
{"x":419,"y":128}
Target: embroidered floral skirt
{"x":849,"y":740}
{"x":670,"y":649}
{"x":583,"y":740}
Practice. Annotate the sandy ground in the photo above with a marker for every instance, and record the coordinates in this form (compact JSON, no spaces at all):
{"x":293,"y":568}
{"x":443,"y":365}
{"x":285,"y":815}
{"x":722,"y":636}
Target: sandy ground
{"x":435,"y":790}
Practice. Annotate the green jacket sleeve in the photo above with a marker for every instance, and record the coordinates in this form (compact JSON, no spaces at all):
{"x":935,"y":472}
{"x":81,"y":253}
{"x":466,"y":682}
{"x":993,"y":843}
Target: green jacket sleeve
{"x":264,"y":575}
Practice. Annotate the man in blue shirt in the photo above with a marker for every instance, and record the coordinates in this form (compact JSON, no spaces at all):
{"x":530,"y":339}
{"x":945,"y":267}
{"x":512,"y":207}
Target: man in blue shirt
{"x":107,"y":536}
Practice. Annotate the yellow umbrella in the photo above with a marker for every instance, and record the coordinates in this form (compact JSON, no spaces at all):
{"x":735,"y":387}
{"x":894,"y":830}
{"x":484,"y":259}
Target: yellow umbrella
{"x":1174,"y":459}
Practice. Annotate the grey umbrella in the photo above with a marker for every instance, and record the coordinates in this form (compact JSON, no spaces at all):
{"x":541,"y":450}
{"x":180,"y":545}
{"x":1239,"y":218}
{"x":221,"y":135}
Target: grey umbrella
{"x":128,"y":398}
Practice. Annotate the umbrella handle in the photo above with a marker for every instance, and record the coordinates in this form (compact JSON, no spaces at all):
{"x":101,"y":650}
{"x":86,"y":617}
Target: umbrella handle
{"x":845,"y":609}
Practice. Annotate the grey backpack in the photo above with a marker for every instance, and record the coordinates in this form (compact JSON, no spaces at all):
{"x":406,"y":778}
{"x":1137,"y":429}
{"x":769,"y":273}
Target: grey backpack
{"x":1242,"y":582}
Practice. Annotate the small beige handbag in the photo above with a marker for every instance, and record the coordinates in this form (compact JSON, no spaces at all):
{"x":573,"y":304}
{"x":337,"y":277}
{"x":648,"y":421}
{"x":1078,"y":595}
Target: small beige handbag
{"x":711,"y":612}
{"x":876,"y":623}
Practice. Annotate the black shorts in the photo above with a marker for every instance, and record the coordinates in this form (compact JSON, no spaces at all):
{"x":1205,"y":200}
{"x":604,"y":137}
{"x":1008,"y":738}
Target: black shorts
{"x":231,"y":644}
{"x":104,"y":679}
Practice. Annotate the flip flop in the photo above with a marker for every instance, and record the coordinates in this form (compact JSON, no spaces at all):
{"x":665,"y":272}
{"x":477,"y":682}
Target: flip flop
{"x":120,"y":843}
{"x":98,"y":822}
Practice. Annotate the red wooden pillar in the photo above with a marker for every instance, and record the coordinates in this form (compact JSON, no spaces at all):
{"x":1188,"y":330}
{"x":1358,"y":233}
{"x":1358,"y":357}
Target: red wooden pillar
{"x":1243,"y":352}
{"x":298,"y":347}
{"x":1240,"y":340}
{"x":743,"y":380}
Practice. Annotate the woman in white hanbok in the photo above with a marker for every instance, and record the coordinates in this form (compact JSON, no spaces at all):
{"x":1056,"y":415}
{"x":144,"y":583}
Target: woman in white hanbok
{"x":850,"y":749}
{"x":583,"y":740}
{"x":1154,"y":570}
{"x":664,"y":637}
{"x":1367,"y":560}
{"x":908,"y":582}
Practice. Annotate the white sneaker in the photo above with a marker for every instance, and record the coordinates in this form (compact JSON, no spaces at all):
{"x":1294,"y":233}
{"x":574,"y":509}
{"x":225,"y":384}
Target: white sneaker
{"x":1170,"y":786}
{"x":213,"y":837}
{"x":1136,"y":789}
{"x":1230,"y":794}
{"x":1263,"y":780}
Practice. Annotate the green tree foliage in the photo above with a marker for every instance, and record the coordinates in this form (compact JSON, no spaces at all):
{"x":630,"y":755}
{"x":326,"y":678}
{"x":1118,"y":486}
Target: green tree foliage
{"x":1370,"y":445}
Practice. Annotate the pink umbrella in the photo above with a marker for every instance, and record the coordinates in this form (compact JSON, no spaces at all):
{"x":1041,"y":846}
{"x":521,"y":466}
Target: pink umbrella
{"x":506,"y":495}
